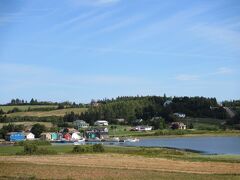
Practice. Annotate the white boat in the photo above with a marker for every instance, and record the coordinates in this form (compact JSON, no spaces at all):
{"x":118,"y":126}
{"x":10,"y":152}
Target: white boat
{"x":79,"y":142}
{"x":131,"y":140}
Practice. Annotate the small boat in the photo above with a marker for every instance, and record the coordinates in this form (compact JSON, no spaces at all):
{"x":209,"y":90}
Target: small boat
{"x":131,"y":140}
{"x":79,"y":142}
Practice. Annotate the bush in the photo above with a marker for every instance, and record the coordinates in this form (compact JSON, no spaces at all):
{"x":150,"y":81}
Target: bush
{"x":88,"y":148}
{"x":37,"y":143}
{"x":98,"y":148}
{"x":30,"y":148}
{"x":82,"y":149}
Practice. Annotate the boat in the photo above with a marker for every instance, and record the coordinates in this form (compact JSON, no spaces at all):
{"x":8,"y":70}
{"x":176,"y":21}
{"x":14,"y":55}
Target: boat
{"x":79,"y":142}
{"x":131,"y":140}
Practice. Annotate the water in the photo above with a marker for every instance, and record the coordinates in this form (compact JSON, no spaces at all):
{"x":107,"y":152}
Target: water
{"x":207,"y":145}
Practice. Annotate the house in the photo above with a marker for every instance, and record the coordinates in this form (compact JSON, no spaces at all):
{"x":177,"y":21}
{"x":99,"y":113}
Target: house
{"x":15,"y":136}
{"x":101,"y":133}
{"x":76,"y":136}
{"x":101,"y":123}
{"x":180,"y":115}
{"x":79,"y":124}
{"x":178,"y":125}
{"x":67,"y":136}
{"x":142,"y":128}
{"x":29,"y":136}
{"x":54,"y":136}
{"x":46,"y":136}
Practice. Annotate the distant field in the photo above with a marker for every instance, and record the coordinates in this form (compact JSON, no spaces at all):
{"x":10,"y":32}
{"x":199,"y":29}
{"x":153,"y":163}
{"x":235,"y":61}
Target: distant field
{"x":59,"y":112}
{"x":25,"y":107}
{"x":28,"y":124}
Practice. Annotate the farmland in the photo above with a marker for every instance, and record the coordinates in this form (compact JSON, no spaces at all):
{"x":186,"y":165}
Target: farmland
{"x":58,"y":112}
{"x":29,"y":124}
{"x":112,"y":166}
{"x":26,"y":107}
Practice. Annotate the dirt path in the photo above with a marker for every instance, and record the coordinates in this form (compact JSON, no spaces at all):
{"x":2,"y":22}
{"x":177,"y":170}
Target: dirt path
{"x":114,"y":161}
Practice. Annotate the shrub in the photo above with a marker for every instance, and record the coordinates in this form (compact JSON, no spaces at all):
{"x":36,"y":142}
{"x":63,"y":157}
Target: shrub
{"x":88,"y":148}
{"x":82,"y":149}
{"x":30,"y":148}
{"x":37,"y":143}
{"x":98,"y":148}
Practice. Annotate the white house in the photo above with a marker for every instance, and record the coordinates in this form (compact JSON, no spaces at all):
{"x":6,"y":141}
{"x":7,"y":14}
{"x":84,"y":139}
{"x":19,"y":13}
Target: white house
{"x":76,"y":136}
{"x":80,"y":124}
{"x":29,"y":136}
{"x":142,"y":128}
{"x":101,"y":123}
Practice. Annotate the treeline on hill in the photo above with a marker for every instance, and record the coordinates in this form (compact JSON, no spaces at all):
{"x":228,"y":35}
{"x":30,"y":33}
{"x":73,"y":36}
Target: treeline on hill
{"x":36,"y":102}
{"x":132,"y":108}
{"x":235,"y":106}
{"x":45,"y":104}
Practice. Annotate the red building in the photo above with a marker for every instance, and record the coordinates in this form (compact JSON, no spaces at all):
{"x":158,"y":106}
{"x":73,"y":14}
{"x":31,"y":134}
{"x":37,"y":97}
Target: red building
{"x":67,"y":136}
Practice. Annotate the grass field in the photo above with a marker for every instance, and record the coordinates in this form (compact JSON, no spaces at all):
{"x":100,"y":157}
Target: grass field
{"x":112,"y":166}
{"x":59,"y":112}
{"x":25,"y":107}
{"x":29,"y":124}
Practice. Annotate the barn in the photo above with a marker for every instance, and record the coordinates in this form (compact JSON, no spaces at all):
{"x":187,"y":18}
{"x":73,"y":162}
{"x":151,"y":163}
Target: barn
{"x":15,"y":136}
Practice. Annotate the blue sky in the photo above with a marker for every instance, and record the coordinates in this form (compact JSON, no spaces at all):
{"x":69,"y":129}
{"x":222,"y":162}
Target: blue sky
{"x":79,"y":50}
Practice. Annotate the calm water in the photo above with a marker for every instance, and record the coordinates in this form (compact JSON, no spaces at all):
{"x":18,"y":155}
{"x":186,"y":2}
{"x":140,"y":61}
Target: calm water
{"x":208,"y":145}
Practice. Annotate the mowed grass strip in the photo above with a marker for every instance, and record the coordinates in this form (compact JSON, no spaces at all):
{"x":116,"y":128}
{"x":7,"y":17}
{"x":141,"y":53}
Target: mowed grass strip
{"x":59,"y":112}
{"x":113,"y":166}
{"x":45,"y":171}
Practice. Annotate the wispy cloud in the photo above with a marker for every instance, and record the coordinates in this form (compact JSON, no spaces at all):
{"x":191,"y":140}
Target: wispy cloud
{"x":222,"y":71}
{"x":218,"y":34}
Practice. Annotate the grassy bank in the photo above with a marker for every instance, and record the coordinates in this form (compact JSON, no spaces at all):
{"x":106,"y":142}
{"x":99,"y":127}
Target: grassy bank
{"x":135,"y":151}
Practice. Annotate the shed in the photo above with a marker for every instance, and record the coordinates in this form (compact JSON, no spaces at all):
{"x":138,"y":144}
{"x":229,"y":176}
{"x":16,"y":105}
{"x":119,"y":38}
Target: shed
{"x":54,"y":136}
{"x":15,"y":136}
{"x":76,"y":136}
{"x":46,"y":136}
{"x":29,"y":135}
{"x":67,"y":136}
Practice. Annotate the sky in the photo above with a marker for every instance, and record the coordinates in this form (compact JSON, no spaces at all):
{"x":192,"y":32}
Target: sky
{"x":78,"y":50}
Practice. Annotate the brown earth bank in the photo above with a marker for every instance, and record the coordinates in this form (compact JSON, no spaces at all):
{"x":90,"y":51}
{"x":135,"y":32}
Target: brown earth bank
{"x":112,"y":166}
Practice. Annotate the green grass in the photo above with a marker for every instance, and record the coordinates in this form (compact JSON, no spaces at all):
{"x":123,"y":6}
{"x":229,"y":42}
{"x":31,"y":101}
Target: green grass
{"x":25,"y":107}
{"x":140,"y":151}
{"x":59,"y":112}
{"x":28,"y":124}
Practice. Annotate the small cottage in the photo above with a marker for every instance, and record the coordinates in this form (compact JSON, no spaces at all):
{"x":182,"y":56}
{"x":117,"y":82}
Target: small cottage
{"x":54,"y":136}
{"x":178,"y":125}
{"x":46,"y":136}
{"x":29,"y":136}
{"x":76,"y":136}
{"x":67,"y":136}
{"x":101,"y":133}
{"x":15,"y":136}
